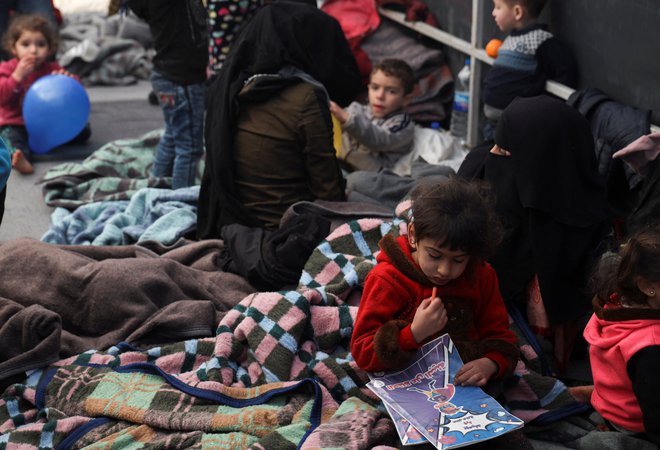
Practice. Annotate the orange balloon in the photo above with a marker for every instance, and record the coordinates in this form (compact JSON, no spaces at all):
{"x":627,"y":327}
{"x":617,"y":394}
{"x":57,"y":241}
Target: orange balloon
{"x":492,"y":47}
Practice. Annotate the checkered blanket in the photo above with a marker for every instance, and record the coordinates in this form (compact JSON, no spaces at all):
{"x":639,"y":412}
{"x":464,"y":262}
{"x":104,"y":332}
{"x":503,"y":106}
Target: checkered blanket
{"x":277,"y":374}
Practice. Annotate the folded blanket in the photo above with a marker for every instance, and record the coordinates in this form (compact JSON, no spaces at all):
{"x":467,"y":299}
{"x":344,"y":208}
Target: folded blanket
{"x":105,"y":50}
{"x":57,"y":301}
{"x":154,"y":214}
{"x":114,"y":172}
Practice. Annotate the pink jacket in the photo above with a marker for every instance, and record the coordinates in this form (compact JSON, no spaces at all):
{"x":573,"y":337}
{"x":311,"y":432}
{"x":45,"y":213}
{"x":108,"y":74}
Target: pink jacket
{"x":12,"y":92}
{"x":612,"y":344}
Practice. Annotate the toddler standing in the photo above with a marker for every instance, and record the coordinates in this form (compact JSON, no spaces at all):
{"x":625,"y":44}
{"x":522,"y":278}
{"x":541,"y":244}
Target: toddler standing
{"x":377,"y":135}
{"x":180,"y":36}
{"x":624,"y":337}
{"x":31,"y":39}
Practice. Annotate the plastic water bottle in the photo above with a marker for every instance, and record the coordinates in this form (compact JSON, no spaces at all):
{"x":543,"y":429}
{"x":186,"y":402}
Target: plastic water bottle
{"x":459,"y":115}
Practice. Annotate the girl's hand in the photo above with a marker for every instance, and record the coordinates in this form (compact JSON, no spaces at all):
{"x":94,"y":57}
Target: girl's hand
{"x":430,"y":318}
{"x":476,"y":373}
{"x":25,"y":66}
{"x":63,"y":72}
{"x":338,"y":112}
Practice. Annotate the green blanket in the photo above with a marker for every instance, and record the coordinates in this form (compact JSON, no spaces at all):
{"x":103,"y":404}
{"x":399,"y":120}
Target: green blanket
{"x":113,"y":172}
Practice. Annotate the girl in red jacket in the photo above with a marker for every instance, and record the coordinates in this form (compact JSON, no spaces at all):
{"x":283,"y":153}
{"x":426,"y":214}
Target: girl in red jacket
{"x":452,"y":229}
{"x":624,"y":337}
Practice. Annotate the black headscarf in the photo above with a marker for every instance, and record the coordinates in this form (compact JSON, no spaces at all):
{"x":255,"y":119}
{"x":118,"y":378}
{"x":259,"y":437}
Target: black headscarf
{"x":553,"y":160}
{"x":552,"y":201}
{"x":280,"y":34}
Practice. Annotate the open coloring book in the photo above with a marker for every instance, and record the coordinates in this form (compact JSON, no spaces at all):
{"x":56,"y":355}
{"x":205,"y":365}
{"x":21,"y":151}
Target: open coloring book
{"x":426,"y":406}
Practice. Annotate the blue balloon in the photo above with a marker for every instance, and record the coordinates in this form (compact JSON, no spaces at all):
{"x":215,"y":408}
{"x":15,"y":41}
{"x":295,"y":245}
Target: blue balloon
{"x":55,"y":110}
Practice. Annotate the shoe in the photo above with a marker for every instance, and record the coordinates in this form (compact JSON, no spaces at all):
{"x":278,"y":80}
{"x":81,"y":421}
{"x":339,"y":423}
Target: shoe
{"x":21,"y":164}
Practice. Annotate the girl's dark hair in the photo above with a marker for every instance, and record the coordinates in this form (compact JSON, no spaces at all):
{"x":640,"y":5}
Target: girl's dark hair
{"x":640,"y":258}
{"x":618,"y":273}
{"x":29,"y":22}
{"x":459,"y":214}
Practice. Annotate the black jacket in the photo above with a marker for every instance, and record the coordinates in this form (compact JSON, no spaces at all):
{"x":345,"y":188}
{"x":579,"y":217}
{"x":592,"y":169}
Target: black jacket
{"x":614,"y":126}
{"x":180,"y":37}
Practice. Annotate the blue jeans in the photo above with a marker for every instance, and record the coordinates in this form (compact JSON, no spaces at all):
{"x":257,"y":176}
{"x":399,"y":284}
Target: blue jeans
{"x":182,"y":144}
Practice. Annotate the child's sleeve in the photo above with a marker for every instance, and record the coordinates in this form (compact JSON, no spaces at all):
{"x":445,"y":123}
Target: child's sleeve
{"x":322,"y":169}
{"x":9,"y":87}
{"x":393,"y":134}
{"x":380,"y":340}
{"x":496,"y":340}
{"x":643,"y":369}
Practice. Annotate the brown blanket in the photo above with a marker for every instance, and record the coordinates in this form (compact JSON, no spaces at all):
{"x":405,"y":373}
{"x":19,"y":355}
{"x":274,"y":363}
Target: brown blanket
{"x":58,"y":300}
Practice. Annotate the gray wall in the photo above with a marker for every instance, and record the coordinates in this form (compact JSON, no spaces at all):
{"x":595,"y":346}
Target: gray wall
{"x":616,"y":43}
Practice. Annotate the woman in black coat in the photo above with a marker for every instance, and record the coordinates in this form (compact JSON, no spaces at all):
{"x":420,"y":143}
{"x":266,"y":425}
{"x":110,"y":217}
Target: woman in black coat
{"x":283,"y":45}
{"x":552,"y":202}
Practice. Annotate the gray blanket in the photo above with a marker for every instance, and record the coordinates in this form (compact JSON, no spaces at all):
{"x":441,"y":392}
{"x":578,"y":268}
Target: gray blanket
{"x":104,"y":51}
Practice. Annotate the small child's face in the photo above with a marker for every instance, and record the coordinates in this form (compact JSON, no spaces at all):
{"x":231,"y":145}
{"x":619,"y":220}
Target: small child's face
{"x":32,"y":44}
{"x":386,"y":94}
{"x":440,"y":264}
{"x":504,"y":15}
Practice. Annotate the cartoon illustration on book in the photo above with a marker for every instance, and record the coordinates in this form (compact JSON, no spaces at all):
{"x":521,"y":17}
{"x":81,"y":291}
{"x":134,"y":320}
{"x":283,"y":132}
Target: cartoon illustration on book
{"x":452,"y":416}
{"x":440,"y":397}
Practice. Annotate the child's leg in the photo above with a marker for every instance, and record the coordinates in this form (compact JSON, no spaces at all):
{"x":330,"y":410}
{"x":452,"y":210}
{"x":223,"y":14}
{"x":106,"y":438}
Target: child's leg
{"x":16,"y":138}
{"x":166,"y":92}
{"x":188,"y":122}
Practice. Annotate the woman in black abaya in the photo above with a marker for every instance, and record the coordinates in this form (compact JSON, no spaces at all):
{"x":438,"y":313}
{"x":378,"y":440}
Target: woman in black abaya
{"x":552,"y":201}
{"x":268,"y":125}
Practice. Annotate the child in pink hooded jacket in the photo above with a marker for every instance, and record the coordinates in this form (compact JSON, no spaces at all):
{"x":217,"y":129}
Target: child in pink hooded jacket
{"x":624,"y":337}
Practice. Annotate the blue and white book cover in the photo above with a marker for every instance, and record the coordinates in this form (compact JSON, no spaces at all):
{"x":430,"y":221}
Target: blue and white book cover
{"x":423,"y":397}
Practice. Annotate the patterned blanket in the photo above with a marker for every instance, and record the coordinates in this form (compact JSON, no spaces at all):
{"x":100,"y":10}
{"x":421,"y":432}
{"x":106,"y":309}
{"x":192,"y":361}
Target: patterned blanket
{"x":162,"y":215}
{"x":113,"y":172}
{"x":277,"y":374}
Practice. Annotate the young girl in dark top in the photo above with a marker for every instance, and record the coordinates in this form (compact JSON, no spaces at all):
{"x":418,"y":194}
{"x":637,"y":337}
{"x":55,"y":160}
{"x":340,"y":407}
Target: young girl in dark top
{"x":452,"y":230}
{"x":624,"y":337}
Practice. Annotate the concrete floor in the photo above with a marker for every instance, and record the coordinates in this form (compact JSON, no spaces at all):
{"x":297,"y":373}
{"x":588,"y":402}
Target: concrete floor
{"x":116,"y":112}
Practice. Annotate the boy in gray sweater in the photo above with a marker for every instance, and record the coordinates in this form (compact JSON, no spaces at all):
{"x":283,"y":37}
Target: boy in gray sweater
{"x":377,"y":135}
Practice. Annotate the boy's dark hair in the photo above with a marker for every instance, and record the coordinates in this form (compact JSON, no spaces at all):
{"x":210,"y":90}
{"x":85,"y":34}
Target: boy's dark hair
{"x":29,"y":22}
{"x":399,"y":69}
{"x":638,"y":258}
{"x":459,"y":214}
{"x":533,"y":7}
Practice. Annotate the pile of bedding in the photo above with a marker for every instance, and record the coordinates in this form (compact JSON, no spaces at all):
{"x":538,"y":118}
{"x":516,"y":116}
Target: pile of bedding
{"x":275,"y":372}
